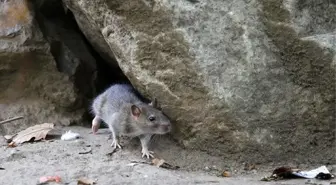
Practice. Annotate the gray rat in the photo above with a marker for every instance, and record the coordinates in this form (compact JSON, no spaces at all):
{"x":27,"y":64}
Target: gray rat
{"x":125,"y":113}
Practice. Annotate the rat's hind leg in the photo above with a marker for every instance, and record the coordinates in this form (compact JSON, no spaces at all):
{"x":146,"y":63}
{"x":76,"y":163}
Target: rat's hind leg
{"x":95,"y":124}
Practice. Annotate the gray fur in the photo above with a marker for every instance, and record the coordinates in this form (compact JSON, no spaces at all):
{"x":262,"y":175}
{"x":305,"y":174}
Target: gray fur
{"x":113,"y":99}
{"x":114,"y":107}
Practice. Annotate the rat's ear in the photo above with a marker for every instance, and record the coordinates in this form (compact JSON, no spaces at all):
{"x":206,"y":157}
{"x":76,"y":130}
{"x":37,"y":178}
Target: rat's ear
{"x":153,"y":103}
{"x":135,"y":111}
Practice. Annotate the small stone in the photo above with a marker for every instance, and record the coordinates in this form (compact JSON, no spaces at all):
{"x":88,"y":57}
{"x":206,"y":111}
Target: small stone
{"x":214,"y":167}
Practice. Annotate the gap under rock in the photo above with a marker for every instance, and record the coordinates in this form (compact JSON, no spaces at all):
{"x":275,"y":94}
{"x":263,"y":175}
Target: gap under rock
{"x":74,"y":55}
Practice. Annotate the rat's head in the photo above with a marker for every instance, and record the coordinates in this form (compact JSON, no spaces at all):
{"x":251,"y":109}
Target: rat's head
{"x":151,"y":119}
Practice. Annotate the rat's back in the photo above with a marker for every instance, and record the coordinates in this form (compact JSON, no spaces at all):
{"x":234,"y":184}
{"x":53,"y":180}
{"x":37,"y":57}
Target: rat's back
{"x":113,"y":98}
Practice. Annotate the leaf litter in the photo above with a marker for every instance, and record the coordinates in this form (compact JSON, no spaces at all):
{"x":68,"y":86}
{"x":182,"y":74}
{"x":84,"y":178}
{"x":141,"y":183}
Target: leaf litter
{"x":85,"y":181}
{"x":46,"y":179}
{"x":36,"y":132}
{"x":156,"y":162}
{"x":162,"y":163}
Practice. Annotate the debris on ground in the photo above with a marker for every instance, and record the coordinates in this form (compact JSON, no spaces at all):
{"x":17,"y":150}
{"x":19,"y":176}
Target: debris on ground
{"x":11,"y":119}
{"x":226,"y":174}
{"x":161,"y":163}
{"x":85,"y":181}
{"x":36,"y":133}
{"x":9,"y":138}
{"x":249,"y":167}
{"x":111,"y":153}
{"x":46,"y":179}
{"x":11,"y":145}
{"x":281,"y":173}
{"x":158,"y":162}
{"x":155,"y":162}
{"x":285,"y":172}
{"x":86,"y":152}
{"x":206,"y":182}
{"x":133,"y":163}
{"x":1,"y":168}
{"x":219,"y":172}
{"x":318,"y":173}
{"x":288,"y":173}
{"x":69,"y":135}
{"x":206,"y":168}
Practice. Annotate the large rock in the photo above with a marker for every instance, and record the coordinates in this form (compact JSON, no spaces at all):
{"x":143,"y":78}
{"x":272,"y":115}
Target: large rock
{"x":246,"y":79}
{"x":31,"y":83}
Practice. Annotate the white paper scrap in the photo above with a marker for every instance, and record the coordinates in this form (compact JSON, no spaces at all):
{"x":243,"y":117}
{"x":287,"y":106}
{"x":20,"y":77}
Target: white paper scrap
{"x":69,"y":135}
{"x":312,"y":173}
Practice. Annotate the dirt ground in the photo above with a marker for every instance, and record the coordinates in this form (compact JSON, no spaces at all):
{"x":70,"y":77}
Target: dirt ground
{"x":25,"y":164}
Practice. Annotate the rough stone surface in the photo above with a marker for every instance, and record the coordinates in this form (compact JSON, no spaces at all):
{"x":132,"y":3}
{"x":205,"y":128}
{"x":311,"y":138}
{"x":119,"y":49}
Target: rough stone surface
{"x":245,"y":79}
{"x":72,"y":54}
{"x":31,"y":85}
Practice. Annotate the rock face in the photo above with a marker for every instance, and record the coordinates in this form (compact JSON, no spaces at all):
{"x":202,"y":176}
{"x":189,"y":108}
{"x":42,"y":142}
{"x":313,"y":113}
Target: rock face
{"x":38,"y":80}
{"x":246,"y":79}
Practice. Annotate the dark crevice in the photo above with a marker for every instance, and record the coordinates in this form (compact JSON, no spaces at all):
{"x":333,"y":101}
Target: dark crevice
{"x":74,"y":55}
{"x":56,"y":50}
{"x":107,"y":74}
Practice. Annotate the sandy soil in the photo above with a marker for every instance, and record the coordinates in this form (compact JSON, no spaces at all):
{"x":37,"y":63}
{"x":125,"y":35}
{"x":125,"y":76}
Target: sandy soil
{"x":25,"y":164}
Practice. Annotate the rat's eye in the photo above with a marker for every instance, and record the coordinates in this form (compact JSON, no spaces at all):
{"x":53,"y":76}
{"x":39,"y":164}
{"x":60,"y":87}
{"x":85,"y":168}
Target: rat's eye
{"x":151,"y":118}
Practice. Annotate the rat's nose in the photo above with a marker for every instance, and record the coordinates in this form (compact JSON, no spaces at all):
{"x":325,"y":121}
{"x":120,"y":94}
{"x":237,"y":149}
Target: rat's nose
{"x":166,"y":127}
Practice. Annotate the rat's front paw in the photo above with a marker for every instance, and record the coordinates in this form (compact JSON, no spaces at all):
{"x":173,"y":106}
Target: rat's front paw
{"x":147,"y":153}
{"x":115,"y":145}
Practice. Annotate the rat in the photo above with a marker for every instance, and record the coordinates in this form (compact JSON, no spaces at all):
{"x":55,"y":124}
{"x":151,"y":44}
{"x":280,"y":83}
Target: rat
{"x":125,"y":112}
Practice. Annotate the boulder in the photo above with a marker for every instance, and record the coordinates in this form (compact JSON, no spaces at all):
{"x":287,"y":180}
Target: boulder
{"x":246,"y":80}
{"x":39,"y":76}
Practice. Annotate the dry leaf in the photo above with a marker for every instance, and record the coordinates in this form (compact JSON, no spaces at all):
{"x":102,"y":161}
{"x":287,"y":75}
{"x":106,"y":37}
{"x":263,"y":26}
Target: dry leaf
{"x":283,"y":172}
{"x":8,"y":137}
{"x":11,"y":145}
{"x":85,"y":181}
{"x":46,"y":179}
{"x":226,"y":174}
{"x":158,"y":162}
{"x":249,"y":166}
{"x":161,"y":163}
{"x":37,"y":132}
